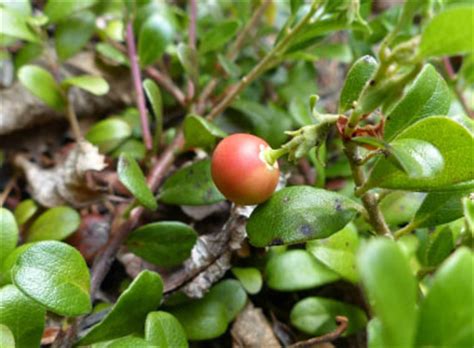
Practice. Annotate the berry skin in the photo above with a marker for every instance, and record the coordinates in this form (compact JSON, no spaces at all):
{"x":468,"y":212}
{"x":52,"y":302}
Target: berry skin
{"x":239,"y":171}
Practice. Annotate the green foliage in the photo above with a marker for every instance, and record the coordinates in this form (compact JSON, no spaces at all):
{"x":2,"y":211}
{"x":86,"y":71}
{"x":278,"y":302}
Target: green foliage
{"x":73,"y":34}
{"x":218,"y":36}
{"x":201,"y":133}
{"x":6,"y":337}
{"x":163,"y":330}
{"x":191,"y":185}
{"x":15,"y":25}
{"x":25,"y":210}
{"x":92,"y":84}
{"x":55,"y":275}
{"x":128,"y":314}
{"x":155,"y":34}
{"x":250,"y":277}
{"x":9,"y":262}
{"x":8,"y":234}
{"x":109,"y":133}
{"x":59,"y":10}
{"x":154,"y":96}
{"x":297,"y":214}
{"x":164,"y":243}
{"x":55,"y":224}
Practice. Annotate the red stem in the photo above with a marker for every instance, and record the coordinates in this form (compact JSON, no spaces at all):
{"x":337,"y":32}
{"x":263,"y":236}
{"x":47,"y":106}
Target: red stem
{"x":137,"y":82}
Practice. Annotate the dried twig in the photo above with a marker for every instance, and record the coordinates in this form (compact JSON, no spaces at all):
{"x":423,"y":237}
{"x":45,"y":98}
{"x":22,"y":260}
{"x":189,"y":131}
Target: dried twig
{"x":343,"y":322}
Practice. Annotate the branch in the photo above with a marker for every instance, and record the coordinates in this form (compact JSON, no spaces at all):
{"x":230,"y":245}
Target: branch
{"x":168,"y":84}
{"x":452,"y":78}
{"x":343,"y":322}
{"x":192,"y":41}
{"x":137,"y":82}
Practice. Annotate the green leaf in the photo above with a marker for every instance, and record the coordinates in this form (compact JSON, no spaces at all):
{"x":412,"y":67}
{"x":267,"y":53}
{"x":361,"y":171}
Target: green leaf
{"x":297,"y":214}
{"x":128,"y":314}
{"x":92,"y":84}
{"x":111,"y":54}
{"x":55,"y":275}
{"x":250,"y":277}
{"x":201,"y":133}
{"x":218,"y":36}
{"x":452,"y":140}
{"x":417,"y":158}
{"x":391,"y":289}
{"x":164,"y":243}
{"x":229,"y":66}
{"x":400,"y":207}
{"x":445,"y":316}
{"x":229,"y":293}
{"x":191,"y":185}
{"x":8,"y":233}
{"x":16,"y":25}
{"x":56,"y":223}
{"x":25,"y":211}
{"x":27,"y":54}
{"x":22,"y":7}
{"x":297,"y":270}
{"x":428,"y":95}
{"x":42,"y":85}
{"x":154,"y":97}
{"x":132,"y":147}
{"x":316,"y":316}
{"x":9,"y":262}
{"x":338,"y":252}
{"x":163,"y":330}
{"x":72,"y":35}
{"x":108,"y":134}
{"x":439,"y":208}
{"x":59,"y":10}
{"x":189,"y":60}
{"x":124,"y":342}
{"x":155,"y":34}
{"x":439,"y":246}
{"x":449,"y":33}
{"x":131,"y":176}
{"x":23,"y":316}
{"x":360,"y":73}
{"x":6,"y":337}
{"x":374,"y":334}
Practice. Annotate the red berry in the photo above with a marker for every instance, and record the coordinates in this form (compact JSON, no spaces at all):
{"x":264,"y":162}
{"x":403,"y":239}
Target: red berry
{"x":240,"y":172}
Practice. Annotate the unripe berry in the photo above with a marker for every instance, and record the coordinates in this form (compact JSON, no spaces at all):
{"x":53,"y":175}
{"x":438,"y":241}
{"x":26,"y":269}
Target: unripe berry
{"x":240,"y":171}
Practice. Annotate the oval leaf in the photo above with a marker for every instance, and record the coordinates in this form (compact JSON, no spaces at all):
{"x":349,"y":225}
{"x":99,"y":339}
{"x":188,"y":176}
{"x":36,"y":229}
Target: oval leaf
{"x":154,"y":96}
{"x":6,"y":337}
{"x":55,"y":275}
{"x":297,"y":270}
{"x":92,"y":84}
{"x":391,"y":288}
{"x":24,"y":317}
{"x":428,"y":95}
{"x":25,"y":210}
{"x":42,"y":85}
{"x":163,"y":330}
{"x":7,"y":266}
{"x":8,"y":233}
{"x":316,"y":316}
{"x":155,"y":34}
{"x":296,"y":214}
{"x":439,"y":208}
{"x":446,"y":312}
{"x":129,"y":312}
{"x":357,"y":77}
{"x":56,"y":223}
{"x":72,"y":35}
{"x":191,"y":185}
{"x":58,"y":10}
{"x":250,"y":277}
{"x":164,"y":243}
{"x":200,"y":133}
{"x":108,"y":134}
{"x":452,"y":140}
{"x":131,"y":176}
{"x":218,"y":36}
{"x":15,"y":25}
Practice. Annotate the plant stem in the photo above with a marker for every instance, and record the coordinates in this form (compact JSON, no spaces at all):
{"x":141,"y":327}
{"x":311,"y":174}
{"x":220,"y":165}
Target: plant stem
{"x":137,"y":82}
{"x":168,"y":84}
{"x":452,"y":77}
{"x":263,"y":65}
{"x":6,"y":191}
{"x":405,"y":230}
{"x":72,"y":118}
{"x":192,"y":41}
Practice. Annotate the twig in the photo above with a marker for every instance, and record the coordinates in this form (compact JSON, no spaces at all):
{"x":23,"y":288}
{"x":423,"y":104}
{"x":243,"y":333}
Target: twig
{"x":405,"y":230}
{"x":137,"y":82}
{"x":72,"y":118}
{"x":192,"y":41}
{"x":6,"y":191}
{"x":168,"y":84}
{"x":452,"y":77}
{"x":264,"y":64}
{"x":343,"y":322}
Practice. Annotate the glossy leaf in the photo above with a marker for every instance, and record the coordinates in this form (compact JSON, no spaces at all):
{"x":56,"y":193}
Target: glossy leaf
{"x":55,"y":275}
{"x":24,"y":317}
{"x":452,"y":140}
{"x":15,"y":25}
{"x":297,"y":270}
{"x":112,"y":55}
{"x":200,"y":133}
{"x":132,"y":147}
{"x":445,"y":316}
{"x":359,"y":74}
{"x":391,"y":289}
{"x":25,"y":210}
{"x":218,"y":36}
{"x":92,"y":84}
{"x":316,"y":316}
{"x":131,"y":176}
{"x":72,"y":35}
{"x":449,"y":33}
{"x":155,"y":34}
{"x":189,"y":60}
{"x":22,"y":7}
{"x":400,"y":207}
{"x":191,"y":185}
{"x":8,"y":233}
{"x":108,"y":134}
{"x":154,"y":97}
{"x":59,"y":10}
{"x":164,"y":243}
{"x":130,"y":341}
{"x":56,"y":223}
{"x":42,"y":85}
{"x":9,"y":263}
{"x":128,"y":314}
{"x":297,"y":214}
{"x":231,"y":294}
{"x":250,"y":277}
{"x":337,"y":252}
{"x":163,"y":330}
{"x":440,"y":245}
{"x":417,"y":158}
{"x":6,"y":337}
{"x":428,"y":95}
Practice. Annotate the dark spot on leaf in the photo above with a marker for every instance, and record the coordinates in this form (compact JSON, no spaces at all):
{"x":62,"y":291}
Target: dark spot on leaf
{"x":276,"y":241}
{"x":338,"y":204}
{"x":306,"y":229}
{"x":372,"y":82}
{"x":208,"y":195}
{"x":347,"y":244}
{"x":286,"y":199}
